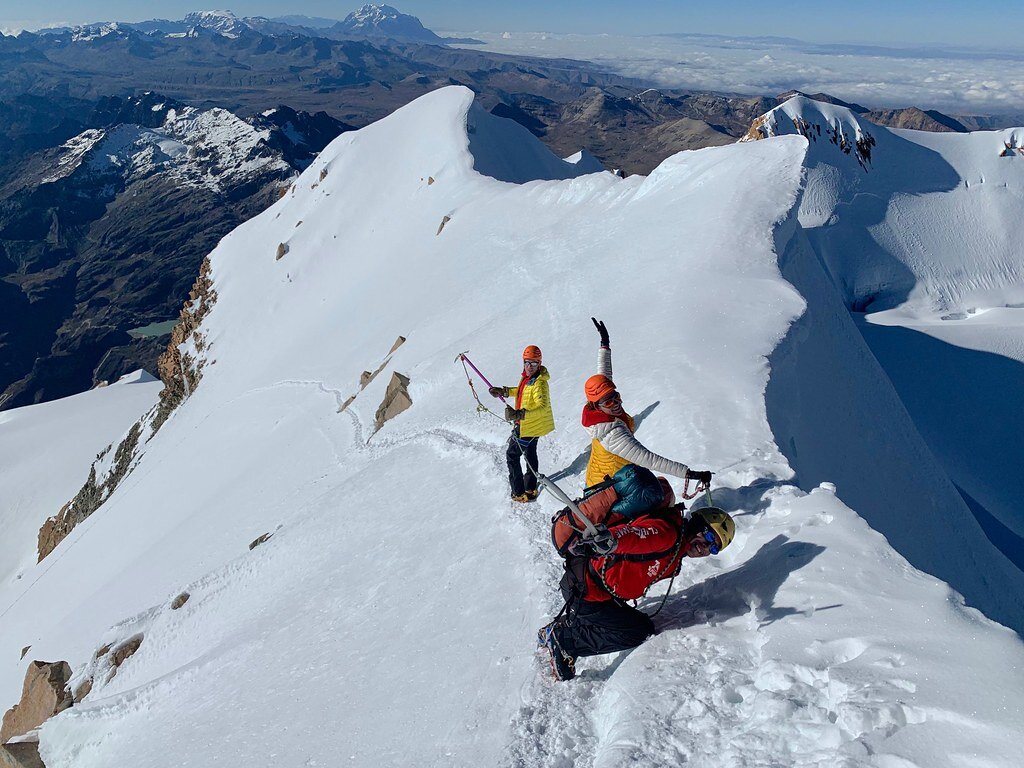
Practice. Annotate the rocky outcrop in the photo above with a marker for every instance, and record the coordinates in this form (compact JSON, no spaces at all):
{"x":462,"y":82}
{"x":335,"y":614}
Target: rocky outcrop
{"x":91,"y":495}
{"x":259,"y":540}
{"x":44,"y":694}
{"x":21,"y":752}
{"x":104,"y":665}
{"x":180,"y":600}
{"x":396,"y":400}
{"x":181,"y":369}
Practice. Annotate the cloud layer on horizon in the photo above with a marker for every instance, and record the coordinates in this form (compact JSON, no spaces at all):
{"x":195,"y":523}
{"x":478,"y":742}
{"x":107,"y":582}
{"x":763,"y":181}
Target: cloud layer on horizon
{"x":962,"y":81}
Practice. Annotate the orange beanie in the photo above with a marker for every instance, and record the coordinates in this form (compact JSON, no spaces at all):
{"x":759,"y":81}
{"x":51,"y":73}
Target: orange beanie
{"x":597,"y":387}
{"x":532,"y":352}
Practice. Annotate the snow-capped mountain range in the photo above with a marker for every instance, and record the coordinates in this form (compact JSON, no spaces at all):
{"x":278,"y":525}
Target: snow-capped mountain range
{"x":386,"y":612}
{"x":377,"y":22}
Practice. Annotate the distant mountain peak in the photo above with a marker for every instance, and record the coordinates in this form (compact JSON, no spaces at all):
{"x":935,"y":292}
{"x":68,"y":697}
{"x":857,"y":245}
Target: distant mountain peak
{"x":224,"y":22}
{"x":830,"y":122}
{"x":373,"y":20}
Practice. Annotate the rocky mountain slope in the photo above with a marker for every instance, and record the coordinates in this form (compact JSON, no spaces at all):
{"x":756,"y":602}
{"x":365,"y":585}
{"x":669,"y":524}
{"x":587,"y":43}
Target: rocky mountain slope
{"x":104,"y":233}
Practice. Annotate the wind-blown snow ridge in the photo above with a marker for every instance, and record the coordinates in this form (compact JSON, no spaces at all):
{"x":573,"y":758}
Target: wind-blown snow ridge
{"x":398,"y":598}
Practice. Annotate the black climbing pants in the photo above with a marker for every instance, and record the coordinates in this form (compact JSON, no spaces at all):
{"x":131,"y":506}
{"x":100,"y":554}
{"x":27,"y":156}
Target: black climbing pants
{"x":518,"y":447}
{"x":591,"y":628}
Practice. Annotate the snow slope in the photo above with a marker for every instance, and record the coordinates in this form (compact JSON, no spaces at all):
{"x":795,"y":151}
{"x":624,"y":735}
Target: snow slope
{"x":925,"y":242}
{"x":45,"y":451}
{"x":390,"y":618}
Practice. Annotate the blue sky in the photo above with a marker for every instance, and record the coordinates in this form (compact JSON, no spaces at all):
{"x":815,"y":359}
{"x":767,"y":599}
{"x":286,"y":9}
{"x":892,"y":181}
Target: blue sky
{"x":909,"y":22}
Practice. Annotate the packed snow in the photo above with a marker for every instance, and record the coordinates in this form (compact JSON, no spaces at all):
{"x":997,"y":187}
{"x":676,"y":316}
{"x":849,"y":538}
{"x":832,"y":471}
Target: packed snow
{"x":390,"y":617}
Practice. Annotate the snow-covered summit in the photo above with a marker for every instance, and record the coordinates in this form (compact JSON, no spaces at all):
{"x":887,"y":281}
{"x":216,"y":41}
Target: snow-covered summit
{"x":391,"y":607}
{"x":90,"y":32}
{"x":223,"y":22}
{"x":833,"y":124}
{"x":385,"y":21}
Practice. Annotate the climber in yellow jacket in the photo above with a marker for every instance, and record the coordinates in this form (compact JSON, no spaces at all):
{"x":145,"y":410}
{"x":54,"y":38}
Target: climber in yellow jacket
{"x":612,"y":443}
{"x":532,"y":419}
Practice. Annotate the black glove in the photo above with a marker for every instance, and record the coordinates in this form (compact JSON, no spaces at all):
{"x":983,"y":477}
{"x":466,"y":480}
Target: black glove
{"x":603,"y":331}
{"x":511,"y":414}
{"x":701,"y":477}
{"x":498,"y":391}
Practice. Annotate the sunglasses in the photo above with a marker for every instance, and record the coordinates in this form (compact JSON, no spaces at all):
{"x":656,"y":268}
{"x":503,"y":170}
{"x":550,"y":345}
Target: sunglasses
{"x":531,"y":362}
{"x":613,"y":398}
{"x":709,"y":537}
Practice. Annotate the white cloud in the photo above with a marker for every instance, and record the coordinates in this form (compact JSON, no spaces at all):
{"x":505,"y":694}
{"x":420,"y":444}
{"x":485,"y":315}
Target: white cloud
{"x":953,"y":81}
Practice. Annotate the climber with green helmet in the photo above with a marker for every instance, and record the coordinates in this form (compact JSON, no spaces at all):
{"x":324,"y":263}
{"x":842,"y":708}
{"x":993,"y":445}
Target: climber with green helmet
{"x":596,"y":585}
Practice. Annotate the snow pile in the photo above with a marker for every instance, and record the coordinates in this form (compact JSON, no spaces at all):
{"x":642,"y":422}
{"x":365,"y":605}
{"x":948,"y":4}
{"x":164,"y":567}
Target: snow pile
{"x":389,"y":618}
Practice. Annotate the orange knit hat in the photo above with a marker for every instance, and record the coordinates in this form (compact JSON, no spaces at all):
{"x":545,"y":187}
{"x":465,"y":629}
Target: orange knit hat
{"x":597,"y":387}
{"x":532,"y":352}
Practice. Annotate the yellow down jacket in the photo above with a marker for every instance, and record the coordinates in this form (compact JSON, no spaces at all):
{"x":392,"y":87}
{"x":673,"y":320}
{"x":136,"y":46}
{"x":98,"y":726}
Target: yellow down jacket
{"x":536,"y":399}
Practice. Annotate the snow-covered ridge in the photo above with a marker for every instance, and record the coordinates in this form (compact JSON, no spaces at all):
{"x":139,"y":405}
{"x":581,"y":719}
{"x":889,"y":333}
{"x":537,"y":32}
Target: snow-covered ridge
{"x":97,"y":31}
{"x":225,"y":23}
{"x":201,"y":148}
{"x":397,"y":563}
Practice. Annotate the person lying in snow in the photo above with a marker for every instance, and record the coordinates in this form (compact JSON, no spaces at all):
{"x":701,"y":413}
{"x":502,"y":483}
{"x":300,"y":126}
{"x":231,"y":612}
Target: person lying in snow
{"x":612,"y":443}
{"x":532,"y":417}
{"x":596,"y":618}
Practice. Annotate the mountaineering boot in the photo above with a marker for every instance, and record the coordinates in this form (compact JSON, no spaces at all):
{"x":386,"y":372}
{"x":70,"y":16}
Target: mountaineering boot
{"x":522,"y":498}
{"x":532,"y":495}
{"x":563,"y":667}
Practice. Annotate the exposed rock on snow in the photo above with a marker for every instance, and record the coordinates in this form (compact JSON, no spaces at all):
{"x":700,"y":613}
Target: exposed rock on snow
{"x":179,"y":601}
{"x":92,"y":494}
{"x":282,"y":249}
{"x":43,"y":695}
{"x":124,"y":652}
{"x":21,"y":752}
{"x":396,"y":400}
{"x":444,"y":221}
{"x":259,"y":540}
{"x":181,"y":365}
